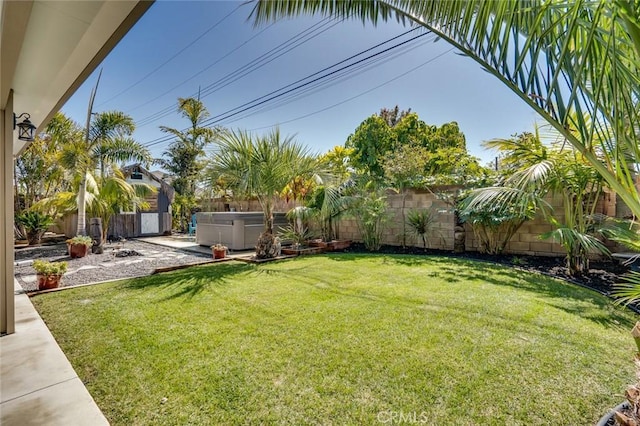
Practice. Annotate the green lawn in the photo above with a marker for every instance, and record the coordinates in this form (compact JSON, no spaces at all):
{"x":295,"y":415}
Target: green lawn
{"x":345,"y":339}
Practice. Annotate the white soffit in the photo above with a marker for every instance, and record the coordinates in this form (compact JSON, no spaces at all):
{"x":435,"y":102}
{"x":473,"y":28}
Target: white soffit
{"x":62,"y":39}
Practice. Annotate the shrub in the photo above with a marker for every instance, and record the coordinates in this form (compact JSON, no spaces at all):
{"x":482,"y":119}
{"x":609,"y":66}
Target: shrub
{"x":80,"y":239}
{"x":420,"y":223}
{"x":49,"y":268}
{"x":494,"y":224}
{"x":371,"y":217}
{"x":35,"y":223}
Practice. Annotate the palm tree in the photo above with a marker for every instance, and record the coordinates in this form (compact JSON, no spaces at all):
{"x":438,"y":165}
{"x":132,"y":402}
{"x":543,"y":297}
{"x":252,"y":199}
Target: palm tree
{"x":566,"y":59}
{"x":535,"y":170}
{"x":183,"y":158}
{"x":107,"y":141}
{"x":260,"y":167}
{"x":115,"y":195}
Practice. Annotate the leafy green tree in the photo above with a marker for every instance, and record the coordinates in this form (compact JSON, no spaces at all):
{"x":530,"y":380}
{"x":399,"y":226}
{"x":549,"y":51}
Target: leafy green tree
{"x":38,"y":174}
{"x":567,"y":60}
{"x":184,"y":159}
{"x":260,"y":167}
{"x":370,"y":142}
{"x":379,"y":136}
{"x":337,"y":162}
{"x":454,"y":166}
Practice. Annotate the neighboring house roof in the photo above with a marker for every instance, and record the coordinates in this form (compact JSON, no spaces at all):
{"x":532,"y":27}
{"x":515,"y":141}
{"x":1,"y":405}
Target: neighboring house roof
{"x":162,"y":175}
{"x":164,"y":186}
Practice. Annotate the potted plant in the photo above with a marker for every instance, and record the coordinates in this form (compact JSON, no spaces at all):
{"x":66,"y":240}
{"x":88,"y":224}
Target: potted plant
{"x":219,"y":251}
{"x":49,"y":273}
{"x":298,"y":236}
{"x":78,"y":246}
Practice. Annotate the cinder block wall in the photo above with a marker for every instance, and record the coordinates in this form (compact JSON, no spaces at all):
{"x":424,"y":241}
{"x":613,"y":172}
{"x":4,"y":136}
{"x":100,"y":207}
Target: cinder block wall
{"x":440,"y":237}
{"x":526,"y":240}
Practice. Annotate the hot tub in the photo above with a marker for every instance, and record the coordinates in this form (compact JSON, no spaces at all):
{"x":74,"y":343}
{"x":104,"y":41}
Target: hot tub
{"x":236,"y":230}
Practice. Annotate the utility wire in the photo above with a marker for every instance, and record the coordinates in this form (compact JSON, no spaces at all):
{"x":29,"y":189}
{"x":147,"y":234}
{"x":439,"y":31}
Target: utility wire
{"x":261,"y":100}
{"x":246,"y":69}
{"x":254,"y":103}
{"x":339,"y":63}
{"x":356,"y":96}
{"x":217,"y":61}
{"x":207,"y":31}
{"x":337,"y":79}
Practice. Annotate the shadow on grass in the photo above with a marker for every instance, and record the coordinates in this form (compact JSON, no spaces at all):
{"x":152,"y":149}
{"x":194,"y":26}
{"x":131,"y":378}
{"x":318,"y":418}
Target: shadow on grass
{"x":588,"y":303}
{"x":190,"y":282}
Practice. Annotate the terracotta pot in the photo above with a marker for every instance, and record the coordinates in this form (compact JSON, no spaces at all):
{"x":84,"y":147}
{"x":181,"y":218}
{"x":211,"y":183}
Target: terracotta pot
{"x":78,"y":250}
{"x":219,"y":254}
{"x":46,"y":282}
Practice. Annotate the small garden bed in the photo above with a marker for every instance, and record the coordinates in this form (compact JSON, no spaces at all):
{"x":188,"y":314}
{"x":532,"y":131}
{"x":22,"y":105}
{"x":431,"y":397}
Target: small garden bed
{"x":302,"y":250}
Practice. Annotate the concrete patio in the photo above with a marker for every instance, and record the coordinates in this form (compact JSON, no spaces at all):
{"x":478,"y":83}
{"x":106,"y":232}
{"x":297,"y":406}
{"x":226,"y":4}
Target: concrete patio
{"x":39,"y":386}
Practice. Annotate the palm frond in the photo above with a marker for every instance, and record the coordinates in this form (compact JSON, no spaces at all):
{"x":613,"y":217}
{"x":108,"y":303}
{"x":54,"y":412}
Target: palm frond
{"x":566,"y":59}
{"x":628,"y":290}
{"x":572,"y":238}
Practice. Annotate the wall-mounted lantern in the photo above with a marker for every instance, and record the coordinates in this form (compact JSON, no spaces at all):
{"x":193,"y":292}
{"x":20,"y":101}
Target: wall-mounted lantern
{"x":26,"y":129}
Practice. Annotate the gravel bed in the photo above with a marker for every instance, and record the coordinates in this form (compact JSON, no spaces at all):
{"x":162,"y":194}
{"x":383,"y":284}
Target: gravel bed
{"x":103,"y":267}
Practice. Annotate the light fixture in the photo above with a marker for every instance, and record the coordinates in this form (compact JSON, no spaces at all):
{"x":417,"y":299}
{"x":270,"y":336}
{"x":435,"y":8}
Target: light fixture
{"x":26,"y":129}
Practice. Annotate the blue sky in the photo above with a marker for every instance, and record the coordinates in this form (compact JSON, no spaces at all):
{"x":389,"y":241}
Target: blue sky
{"x":177,"y":48}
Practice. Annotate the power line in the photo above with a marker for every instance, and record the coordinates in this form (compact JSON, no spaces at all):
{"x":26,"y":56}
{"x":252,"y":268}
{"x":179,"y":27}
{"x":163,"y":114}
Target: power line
{"x":356,"y":96}
{"x":261,"y":100}
{"x":341,"y":62}
{"x":217,"y":61}
{"x":252,"y":65}
{"x":319,"y":86}
{"x":248,"y":105}
{"x":207,"y":31}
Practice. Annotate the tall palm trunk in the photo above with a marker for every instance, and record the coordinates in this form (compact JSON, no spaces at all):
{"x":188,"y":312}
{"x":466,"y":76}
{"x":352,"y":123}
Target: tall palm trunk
{"x":81,"y":228}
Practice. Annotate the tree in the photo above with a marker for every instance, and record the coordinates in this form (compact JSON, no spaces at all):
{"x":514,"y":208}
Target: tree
{"x":393,"y":116}
{"x":260,"y":167}
{"x":370,"y":142}
{"x":380,"y":135}
{"x":115,"y":195}
{"x":38,"y":174}
{"x":538,"y":170}
{"x":337,"y":162}
{"x":562,"y":58}
{"x":184,"y":158}
{"x":107,"y":142}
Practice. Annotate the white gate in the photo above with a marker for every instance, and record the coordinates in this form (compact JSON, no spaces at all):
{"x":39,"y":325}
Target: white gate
{"x":149,"y":223}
